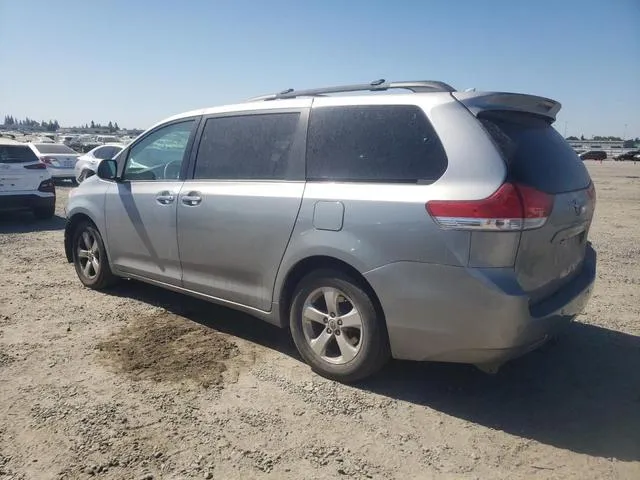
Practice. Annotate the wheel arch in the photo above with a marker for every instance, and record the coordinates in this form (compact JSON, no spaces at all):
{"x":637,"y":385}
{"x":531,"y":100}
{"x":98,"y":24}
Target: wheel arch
{"x":320,"y":262}
{"x":69,"y":229}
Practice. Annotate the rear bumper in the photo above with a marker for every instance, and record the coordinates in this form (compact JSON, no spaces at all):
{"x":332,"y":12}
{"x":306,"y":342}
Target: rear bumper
{"x":26,"y":200}
{"x":62,"y":172}
{"x":464,"y":315}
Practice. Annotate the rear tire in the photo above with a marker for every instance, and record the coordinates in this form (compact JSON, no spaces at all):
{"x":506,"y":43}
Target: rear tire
{"x":336,"y":327}
{"x":45,"y":213}
{"x":90,"y":257}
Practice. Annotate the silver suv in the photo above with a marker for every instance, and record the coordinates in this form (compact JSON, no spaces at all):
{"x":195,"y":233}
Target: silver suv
{"x":424,"y":225}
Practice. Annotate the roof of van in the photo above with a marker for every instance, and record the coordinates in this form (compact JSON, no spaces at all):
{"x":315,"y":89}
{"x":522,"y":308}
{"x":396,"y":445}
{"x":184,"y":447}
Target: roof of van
{"x":472,"y":99}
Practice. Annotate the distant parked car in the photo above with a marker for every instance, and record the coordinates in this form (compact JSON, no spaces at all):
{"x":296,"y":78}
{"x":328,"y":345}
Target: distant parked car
{"x":59,"y":159}
{"x":84,"y":143}
{"x":593,"y":155}
{"x":25,"y":182}
{"x":627,"y":155}
{"x":87,"y":164}
{"x":107,"y":139}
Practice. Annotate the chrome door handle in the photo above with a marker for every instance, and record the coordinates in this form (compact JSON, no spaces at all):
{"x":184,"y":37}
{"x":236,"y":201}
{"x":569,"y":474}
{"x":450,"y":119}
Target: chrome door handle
{"x":165,"y":198}
{"x":192,"y":199}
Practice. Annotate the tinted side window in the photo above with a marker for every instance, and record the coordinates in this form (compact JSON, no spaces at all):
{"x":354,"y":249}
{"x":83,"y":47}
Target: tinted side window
{"x":107,"y":152}
{"x":536,"y":154}
{"x":247,"y":147}
{"x":373,"y":143}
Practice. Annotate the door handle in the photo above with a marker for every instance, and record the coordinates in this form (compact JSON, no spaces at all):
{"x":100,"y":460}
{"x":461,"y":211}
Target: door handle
{"x":165,"y":198}
{"x":192,"y":199}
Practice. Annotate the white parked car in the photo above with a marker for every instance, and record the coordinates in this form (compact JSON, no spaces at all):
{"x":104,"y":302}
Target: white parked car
{"x":87,"y":164}
{"x":59,"y":159}
{"x":25,"y":182}
{"x":106,"y":139}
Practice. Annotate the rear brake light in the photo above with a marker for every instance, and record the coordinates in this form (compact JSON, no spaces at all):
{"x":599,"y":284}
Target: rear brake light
{"x":48,"y":160}
{"x":36,"y":166}
{"x":512,"y":207}
{"x":47,"y":186}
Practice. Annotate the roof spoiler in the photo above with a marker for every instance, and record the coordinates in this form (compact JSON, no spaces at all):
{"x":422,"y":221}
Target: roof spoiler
{"x":477,"y":102}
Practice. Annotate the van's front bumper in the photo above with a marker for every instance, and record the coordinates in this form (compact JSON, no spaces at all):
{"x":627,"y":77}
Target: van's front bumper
{"x":471,"y":315}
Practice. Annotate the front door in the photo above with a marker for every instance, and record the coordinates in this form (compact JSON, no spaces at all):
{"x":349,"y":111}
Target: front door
{"x":140,"y":209}
{"x":235,"y":217}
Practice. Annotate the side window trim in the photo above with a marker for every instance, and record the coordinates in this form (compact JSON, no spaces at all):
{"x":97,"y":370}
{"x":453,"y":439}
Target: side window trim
{"x":298,"y":149}
{"x":124,"y":153}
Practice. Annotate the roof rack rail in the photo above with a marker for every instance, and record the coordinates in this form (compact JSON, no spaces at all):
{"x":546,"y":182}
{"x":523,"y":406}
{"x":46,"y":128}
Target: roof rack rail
{"x":417,"y":86}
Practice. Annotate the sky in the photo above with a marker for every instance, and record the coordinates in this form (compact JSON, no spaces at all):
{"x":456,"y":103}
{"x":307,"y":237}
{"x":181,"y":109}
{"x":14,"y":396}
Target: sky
{"x":137,"y":62}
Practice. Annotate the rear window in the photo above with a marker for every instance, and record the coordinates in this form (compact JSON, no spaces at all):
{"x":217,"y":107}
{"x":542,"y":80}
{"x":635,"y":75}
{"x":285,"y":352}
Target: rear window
{"x":536,"y":154}
{"x":16,"y":154}
{"x":53,"y":148}
{"x":373,"y":143}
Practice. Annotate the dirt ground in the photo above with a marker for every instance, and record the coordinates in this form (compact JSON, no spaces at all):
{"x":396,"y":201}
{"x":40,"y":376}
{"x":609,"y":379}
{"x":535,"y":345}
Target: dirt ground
{"x":142,"y":383}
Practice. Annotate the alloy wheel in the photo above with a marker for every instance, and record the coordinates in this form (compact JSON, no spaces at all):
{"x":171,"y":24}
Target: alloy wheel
{"x":88,"y":254}
{"x":332,"y":325}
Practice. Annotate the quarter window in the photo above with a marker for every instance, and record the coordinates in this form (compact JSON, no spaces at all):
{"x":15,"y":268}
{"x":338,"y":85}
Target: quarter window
{"x":252,"y":147}
{"x":373,"y":143}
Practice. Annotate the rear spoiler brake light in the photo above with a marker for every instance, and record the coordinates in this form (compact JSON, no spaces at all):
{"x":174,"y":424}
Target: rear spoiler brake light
{"x":477,"y":102}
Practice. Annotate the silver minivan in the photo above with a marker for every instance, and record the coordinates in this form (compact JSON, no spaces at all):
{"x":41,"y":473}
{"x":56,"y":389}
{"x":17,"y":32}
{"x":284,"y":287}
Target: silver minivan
{"x":429,"y":224}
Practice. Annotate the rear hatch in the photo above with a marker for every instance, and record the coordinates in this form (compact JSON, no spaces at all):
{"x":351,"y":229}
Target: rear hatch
{"x":20,"y":169}
{"x":537,"y":156}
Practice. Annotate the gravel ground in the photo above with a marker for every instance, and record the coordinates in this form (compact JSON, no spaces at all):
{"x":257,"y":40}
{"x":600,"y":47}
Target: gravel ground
{"x":143,"y":383}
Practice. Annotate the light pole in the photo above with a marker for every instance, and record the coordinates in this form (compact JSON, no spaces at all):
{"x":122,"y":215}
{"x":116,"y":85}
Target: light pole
{"x":624,"y":134}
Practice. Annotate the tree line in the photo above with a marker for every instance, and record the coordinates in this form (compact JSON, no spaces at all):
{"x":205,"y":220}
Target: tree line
{"x":53,"y":125}
{"x":630,"y":143}
{"x":49,"y":126}
{"x":596,"y":137}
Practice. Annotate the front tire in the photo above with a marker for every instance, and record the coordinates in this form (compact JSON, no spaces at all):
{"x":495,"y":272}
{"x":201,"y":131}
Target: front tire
{"x":90,"y":257}
{"x":336,"y":327}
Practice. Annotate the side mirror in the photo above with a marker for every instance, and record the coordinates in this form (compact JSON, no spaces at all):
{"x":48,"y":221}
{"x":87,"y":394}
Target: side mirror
{"x":108,"y":169}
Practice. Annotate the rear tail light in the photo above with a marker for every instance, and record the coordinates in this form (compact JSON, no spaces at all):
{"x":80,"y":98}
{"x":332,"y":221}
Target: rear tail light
{"x":512,"y":207}
{"x":49,"y":161}
{"x":47,"y":186}
{"x":36,"y":166}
